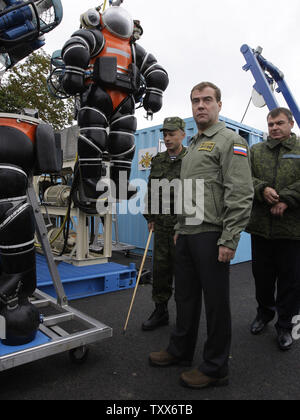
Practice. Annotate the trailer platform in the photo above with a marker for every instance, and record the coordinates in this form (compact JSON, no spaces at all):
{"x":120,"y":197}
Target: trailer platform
{"x":63,"y":329}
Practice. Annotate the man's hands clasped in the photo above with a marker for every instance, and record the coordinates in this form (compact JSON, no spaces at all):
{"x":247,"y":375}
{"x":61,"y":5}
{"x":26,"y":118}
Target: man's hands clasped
{"x":273,"y":199}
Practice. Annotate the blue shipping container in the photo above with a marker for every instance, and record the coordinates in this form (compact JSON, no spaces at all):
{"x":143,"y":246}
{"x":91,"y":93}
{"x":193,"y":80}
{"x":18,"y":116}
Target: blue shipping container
{"x":133,"y":227}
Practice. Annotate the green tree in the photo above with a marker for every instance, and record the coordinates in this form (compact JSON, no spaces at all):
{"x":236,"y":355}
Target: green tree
{"x":25,"y":86}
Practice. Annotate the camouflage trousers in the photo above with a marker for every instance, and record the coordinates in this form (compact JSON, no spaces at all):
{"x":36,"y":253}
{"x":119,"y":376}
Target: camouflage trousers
{"x":163,"y":264}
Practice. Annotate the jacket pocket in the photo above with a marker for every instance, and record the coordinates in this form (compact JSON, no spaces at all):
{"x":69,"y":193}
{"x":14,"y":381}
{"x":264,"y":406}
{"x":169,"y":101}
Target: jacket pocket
{"x":217,"y":195}
{"x":213,"y":203}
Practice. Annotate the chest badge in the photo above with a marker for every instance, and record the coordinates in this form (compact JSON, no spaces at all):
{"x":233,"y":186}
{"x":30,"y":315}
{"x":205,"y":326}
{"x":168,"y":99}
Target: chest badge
{"x":207,"y":146}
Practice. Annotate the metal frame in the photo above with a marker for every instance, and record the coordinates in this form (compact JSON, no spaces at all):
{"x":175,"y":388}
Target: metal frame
{"x":42,"y":234}
{"x":115,"y":245}
{"x":60,"y":339}
{"x":258,"y":66}
{"x":82,"y":255}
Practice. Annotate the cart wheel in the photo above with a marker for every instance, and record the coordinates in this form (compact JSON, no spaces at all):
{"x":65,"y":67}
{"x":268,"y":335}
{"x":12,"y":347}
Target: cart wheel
{"x":79,"y":355}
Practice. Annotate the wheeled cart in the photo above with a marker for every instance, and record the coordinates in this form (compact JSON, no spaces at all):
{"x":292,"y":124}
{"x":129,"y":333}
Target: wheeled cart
{"x":63,"y":328}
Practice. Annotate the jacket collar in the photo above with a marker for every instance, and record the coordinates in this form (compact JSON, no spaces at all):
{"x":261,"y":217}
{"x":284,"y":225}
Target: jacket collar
{"x":214,"y":129}
{"x":288,"y":143}
{"x":210,"y":132}
{"x":179,"y":157}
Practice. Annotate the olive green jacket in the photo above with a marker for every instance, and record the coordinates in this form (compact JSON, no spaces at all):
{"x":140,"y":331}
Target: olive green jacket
{"x":276,"y":164}
{"x":163,"y":168}
{"x":220,"y":157}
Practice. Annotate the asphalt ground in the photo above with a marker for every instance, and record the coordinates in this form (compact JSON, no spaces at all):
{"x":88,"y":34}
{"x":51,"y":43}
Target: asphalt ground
{"x":117,"y":368}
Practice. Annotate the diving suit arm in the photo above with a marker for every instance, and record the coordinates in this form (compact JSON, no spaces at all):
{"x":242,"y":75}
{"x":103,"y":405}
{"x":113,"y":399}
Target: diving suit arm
{"x":77,"y":52}
{"x":156,"y":78}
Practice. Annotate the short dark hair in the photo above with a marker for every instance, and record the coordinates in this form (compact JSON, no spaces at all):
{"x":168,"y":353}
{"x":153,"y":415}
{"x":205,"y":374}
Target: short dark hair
{"x":204,"y":85}
{"x":277,"y":111}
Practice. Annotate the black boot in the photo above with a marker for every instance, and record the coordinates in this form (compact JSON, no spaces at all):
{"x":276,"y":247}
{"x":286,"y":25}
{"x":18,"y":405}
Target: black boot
{"x":159,"y":317}
{"x":284,"y":339}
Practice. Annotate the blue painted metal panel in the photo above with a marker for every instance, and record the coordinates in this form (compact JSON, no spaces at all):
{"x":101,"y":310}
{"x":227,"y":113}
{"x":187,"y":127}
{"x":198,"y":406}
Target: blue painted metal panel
{"x":133,"y":228}
{"x":80,"y":282}
{"x":243,"y":252}
{"x":39,"y":340}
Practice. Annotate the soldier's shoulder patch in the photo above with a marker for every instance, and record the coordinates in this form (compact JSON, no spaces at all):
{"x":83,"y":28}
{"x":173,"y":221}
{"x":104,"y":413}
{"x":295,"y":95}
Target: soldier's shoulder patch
{"x":240,"y":149}
{"x":207,"y":146}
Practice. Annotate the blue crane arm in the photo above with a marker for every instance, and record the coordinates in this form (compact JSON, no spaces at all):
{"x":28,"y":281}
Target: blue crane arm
{"x":262,"y":84}
{"x":259,"y":67}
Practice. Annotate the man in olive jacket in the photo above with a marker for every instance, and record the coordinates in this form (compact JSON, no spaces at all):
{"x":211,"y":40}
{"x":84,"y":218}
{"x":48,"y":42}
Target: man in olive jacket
{"x":165,"y":167}
{"x":275,"y":226}
{"x":217,"y":202}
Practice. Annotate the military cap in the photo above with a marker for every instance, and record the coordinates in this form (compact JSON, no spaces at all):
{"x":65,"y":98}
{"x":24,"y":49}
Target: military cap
{"x":173,"y":124}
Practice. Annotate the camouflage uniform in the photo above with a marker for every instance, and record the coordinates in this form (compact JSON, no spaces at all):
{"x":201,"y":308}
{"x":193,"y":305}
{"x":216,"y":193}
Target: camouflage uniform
{"x":163,"y":167}
{"x":276,"y":240}
{"x":276,"y":164}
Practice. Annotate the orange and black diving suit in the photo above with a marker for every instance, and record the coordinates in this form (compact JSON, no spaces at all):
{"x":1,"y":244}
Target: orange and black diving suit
{"x":28,"y":147}
{"x":106,"y":67}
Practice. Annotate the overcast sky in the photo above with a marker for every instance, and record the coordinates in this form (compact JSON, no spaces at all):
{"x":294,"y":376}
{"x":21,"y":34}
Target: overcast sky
{"x":198,"y":41}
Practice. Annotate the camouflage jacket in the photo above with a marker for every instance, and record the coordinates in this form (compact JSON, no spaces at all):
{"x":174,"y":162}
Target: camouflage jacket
{"x":276,"y":164}
{"x":162,"y":168}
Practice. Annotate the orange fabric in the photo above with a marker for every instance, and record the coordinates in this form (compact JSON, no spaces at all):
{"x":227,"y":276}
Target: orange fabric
{"x":112,"y":41}
{"x":26,"y":127}
{"x":117,"y":97}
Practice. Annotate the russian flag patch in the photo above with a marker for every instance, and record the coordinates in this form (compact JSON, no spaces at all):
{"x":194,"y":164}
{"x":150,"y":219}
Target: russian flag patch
{"x":239,"y":149}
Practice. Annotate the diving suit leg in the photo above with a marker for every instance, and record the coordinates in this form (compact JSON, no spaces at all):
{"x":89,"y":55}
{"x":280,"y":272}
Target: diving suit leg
{"x":121,"y":147}
{"x":92,"y":142}
{"x":17,"y":255}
